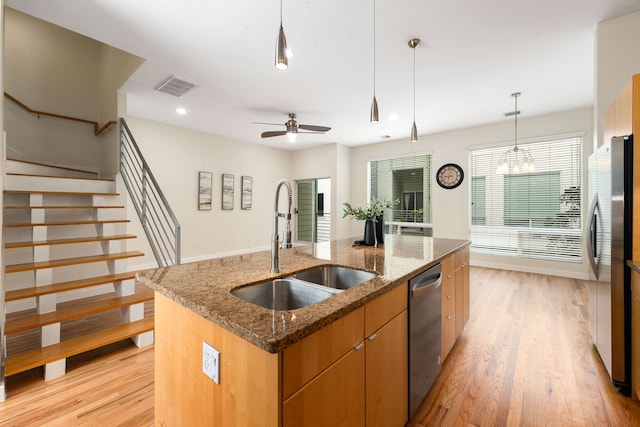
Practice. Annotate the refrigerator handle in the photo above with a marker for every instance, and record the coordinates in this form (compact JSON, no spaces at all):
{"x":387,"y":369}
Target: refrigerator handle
{"x":592,"y":234}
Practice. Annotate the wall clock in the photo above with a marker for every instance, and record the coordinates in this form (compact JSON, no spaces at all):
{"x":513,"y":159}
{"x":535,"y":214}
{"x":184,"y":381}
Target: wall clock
{"x":449,"y":176}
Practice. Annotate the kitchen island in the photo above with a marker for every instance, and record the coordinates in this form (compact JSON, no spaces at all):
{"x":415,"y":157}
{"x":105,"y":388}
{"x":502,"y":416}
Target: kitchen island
{"x":272,"y":361}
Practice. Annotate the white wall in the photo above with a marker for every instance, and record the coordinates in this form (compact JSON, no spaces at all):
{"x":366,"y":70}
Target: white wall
{"x":176,"y":155}
{"x":617,"y":59}
{"x":451,"y":207}
{"x":327,"y":161}
{"x":54,"y":70}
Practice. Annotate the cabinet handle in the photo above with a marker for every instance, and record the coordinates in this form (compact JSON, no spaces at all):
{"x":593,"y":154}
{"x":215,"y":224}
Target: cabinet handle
{"x":449,"y":317}
{"x":359,"y":346}
{"x":372,"y":337}
{"x":449,"y":296}
{"x":448,"y":276}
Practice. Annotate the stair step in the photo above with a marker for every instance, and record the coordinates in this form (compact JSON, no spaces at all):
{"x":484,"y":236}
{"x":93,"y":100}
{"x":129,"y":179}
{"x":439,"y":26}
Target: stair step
{"x":66,"y":207}
{"x":29,"y":266}
{"x":68,"y":193}
{"x":42,"y":183}
{"x":21,"y":166}
{"x":60,"y":177}
{"x":71,"y":285}
{"x":56,"y":223}
{"x":76,"y":312}
{"x":14,"y":245}
{"x":41,"y":356}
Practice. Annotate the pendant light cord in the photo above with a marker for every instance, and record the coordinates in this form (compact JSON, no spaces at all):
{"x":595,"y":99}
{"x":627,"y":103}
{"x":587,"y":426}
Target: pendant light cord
{"x":414,"y":84}
{"x":374,"y":48}
{"x":280,"y":13}
{"x":515,"y":95}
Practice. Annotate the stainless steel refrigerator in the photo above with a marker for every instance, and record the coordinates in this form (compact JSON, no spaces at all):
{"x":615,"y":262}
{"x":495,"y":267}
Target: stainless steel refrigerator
{"x":608,"y":236}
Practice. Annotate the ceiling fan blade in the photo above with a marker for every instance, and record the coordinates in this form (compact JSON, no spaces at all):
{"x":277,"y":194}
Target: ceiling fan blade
{"x":315,"y":128}
{"x":317,"y":133}
{"x":263,"y":123}
{"x":273,"y":133}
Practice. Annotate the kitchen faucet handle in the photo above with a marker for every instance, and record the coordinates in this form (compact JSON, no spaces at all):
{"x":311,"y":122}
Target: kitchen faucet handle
{"x":286,"y":236}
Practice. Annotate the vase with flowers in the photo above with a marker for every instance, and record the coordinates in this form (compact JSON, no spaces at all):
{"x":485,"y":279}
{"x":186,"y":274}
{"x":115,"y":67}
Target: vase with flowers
{"x":373,"y":215}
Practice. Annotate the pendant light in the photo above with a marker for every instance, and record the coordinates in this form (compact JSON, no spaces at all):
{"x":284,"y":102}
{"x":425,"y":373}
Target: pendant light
{"x":515,"y":160}
{"x":281,"y":47}
{"x":373,"y":117}
{"x":413,"y":43}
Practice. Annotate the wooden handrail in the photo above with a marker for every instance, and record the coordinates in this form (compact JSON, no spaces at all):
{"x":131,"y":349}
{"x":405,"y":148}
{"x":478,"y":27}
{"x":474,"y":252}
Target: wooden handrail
{"x":96,"y":129}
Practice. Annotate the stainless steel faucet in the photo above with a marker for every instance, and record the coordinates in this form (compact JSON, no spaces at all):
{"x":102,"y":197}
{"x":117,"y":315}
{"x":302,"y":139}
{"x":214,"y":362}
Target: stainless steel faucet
{"x":286,"y":235}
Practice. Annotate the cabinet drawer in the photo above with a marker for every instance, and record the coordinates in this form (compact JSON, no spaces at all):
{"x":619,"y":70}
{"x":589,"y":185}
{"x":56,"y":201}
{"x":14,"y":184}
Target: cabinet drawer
{"x":308,"y":357}
{"x":384,"y":308}
{"x":334,"y":398}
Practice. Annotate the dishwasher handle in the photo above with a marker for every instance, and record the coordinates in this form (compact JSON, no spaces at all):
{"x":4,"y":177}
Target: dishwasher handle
{"x":422,"y":288}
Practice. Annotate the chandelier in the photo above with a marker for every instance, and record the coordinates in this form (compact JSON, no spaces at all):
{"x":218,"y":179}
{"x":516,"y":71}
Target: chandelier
{"x":515,"y":160}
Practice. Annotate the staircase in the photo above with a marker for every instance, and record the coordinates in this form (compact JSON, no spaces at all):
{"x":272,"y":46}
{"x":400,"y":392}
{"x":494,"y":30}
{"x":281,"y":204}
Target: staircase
{"x":65,"y":267}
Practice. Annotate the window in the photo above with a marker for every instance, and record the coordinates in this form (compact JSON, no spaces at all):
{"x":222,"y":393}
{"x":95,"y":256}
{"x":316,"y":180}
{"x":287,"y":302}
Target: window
{"x":406,"y":179}
{"x":529,"y":215}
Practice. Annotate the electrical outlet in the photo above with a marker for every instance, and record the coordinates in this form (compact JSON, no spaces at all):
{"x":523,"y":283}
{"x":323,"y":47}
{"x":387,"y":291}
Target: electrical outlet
{"x":211,"y":362}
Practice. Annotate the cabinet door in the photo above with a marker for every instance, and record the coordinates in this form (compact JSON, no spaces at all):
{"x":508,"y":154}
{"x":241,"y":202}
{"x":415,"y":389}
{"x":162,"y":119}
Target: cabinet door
{"x":387,"y":374}
{"x":333,"y":398}
{"x":448,"y":306}
{"x":635,"y":338}
{"x":462,"y":289}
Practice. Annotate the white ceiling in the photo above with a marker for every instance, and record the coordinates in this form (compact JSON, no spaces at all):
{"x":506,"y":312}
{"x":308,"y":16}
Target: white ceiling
{"x":473,"y":55}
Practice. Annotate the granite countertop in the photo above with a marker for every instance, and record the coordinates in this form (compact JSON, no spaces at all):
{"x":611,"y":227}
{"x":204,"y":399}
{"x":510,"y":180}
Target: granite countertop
{"x":204,"y":287}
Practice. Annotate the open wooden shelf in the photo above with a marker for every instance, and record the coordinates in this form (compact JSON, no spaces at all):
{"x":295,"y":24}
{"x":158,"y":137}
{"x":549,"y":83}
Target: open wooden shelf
{"x":15,"y":245}
{"x":29,"y":266}
{"x":41,"y":356}
{"x":71,"y":285}
{"x":56,"y":223}
{"x":75,"y":312}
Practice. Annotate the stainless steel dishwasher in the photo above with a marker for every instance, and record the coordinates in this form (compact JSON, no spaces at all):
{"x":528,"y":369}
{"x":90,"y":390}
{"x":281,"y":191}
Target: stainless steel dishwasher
{"x":425,"y":333}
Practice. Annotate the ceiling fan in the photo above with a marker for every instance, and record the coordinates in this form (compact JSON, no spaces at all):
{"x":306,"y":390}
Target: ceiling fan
{"x":292,"y":128}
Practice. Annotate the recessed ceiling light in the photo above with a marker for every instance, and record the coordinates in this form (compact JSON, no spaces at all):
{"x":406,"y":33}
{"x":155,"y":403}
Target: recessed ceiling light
{"x":181,"y":111}
{"x":393,"y":117}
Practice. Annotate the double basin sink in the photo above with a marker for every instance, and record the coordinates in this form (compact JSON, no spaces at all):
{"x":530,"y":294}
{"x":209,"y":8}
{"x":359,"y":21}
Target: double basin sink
{"x":303,"y":288}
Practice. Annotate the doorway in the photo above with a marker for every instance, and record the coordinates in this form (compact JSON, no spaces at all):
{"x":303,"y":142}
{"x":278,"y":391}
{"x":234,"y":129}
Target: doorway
{"x":313,"y":222}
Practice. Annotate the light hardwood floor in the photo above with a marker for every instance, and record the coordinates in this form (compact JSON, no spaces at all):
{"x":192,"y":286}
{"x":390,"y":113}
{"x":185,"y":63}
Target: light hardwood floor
{"x":525,"y":358}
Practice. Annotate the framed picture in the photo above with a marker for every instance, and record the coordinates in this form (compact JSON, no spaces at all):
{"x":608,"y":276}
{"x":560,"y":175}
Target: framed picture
{"x":204,"y":191}
{"x":247,"y":192}
{"x":227,"y":191}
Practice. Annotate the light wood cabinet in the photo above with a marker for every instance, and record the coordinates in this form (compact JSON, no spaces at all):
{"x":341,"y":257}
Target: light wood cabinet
{"x":635,"y":336}
{"x":455,"y":298}
{"x":448,"y":306}
{"x":322,"y":386}
{"x":335,"y":397}
{"x":310,"y":356}
{"x":386,"y":360}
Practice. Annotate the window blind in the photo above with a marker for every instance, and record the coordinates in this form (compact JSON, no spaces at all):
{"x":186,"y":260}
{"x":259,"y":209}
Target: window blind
{"x":530,"y":215}
{"x":406,"y":179}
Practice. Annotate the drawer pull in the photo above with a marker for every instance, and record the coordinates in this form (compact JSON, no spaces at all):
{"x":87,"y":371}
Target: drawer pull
{"x":359,"y":346}
{"x":372,"y":337}
{"x":449,"y":296}
{"x":449,"y":317}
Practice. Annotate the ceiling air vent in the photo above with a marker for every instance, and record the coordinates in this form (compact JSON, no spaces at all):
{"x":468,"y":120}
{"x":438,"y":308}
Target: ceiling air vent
{"x":174,"y":86}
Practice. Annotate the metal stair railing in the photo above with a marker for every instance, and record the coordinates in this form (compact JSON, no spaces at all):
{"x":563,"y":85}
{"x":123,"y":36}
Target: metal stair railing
{"x":158,"y":220}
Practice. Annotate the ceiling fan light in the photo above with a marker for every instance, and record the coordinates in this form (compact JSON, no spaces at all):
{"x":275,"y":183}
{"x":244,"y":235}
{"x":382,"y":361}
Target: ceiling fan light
{"x":414,"y":133}
{"x":281,"y":51}
{"x":292,"y":136}
{"x":374,"y":110}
